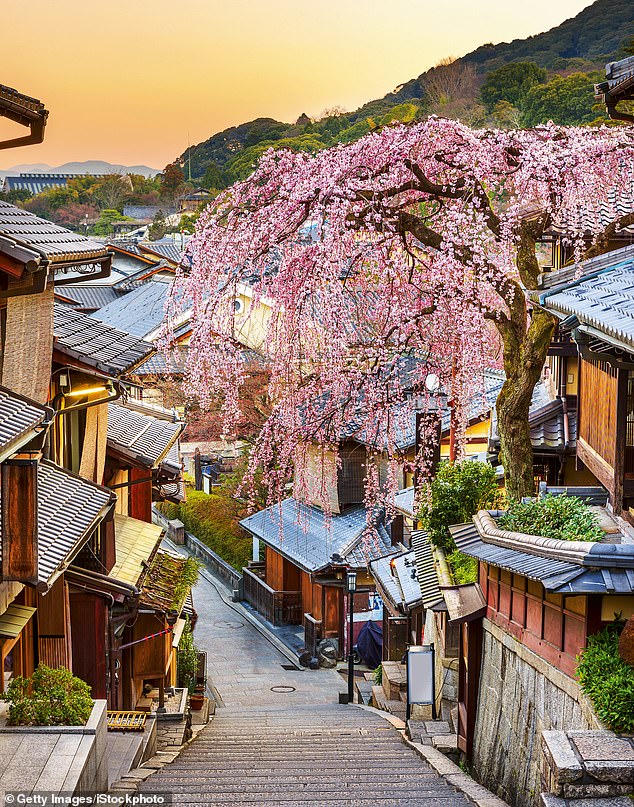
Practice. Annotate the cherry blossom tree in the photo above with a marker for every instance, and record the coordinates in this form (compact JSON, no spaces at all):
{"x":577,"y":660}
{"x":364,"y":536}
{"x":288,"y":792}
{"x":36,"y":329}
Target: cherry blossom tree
{"x":415,"y":242}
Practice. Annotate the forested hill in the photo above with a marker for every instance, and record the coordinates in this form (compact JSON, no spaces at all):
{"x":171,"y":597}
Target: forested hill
{"x":522,"y":83}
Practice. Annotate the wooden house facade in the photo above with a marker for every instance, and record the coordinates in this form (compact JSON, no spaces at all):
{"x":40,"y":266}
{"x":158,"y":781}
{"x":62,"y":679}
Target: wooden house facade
{"x":546,"y":595}
{"x":594,"y":310}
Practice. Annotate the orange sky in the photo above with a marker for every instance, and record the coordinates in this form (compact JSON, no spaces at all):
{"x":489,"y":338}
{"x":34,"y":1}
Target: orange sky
{"x":131,"y":81}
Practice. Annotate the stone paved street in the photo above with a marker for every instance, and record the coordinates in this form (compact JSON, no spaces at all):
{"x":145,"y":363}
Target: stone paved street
{"x":293,"y":748}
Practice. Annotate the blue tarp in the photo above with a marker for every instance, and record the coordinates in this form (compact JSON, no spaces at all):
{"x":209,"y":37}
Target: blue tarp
{"x":370,"y":644}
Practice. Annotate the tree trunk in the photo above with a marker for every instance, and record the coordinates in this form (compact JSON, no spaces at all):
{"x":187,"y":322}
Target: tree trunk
{"x":524,"y":358}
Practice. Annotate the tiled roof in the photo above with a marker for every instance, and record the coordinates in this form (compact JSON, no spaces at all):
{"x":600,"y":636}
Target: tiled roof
{"x":50,"y":242}
{"x":308,"y":538}
{"x":404,"y":501}
{"x":87,"y":298}
{"x":109,"y":350}
{"x":19,"y":416}
{"x":546,"y":421}
{"x":69,"y":507}
{"x":36,"y":183}
{"x":158,"y":365}
{"x":140,"y":436}
{"x":603,"y":302}
{"x":140,"y":311}
{"x":397,"y":576}
{"x":620,"y":77}
{"x":163,"y":250}
{"x":602,"y":569}
{"x":431,"y":594}
{"x":136,"y":542}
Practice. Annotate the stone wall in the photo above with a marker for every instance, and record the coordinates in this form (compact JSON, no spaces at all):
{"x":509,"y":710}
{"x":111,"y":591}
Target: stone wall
{"x":520,"y":696}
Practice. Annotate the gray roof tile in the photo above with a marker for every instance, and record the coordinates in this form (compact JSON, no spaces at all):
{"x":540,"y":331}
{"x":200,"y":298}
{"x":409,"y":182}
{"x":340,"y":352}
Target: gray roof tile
{"x":18,"y":417}
{"x":140,"y":311}
{"x":603,"y":300}
{"x":426,"y":569}
{"x":397,"y":576}
{"x":87,"y":298}
{"x":308,"y":538}
{"x":51,"y":242}
{"x":110,"y":350}
{"x":142,"y":437}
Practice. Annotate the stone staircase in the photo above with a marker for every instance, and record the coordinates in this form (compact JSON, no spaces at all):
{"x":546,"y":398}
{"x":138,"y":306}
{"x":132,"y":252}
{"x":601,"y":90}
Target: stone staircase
{"x":302,"y":756}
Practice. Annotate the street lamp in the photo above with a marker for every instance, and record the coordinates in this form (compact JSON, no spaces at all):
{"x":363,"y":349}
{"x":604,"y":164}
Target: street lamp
{"x":351,"y":587}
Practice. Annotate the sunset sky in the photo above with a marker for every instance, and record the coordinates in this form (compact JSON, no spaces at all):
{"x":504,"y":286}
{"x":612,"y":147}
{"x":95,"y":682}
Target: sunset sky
{"x":133,"y":81}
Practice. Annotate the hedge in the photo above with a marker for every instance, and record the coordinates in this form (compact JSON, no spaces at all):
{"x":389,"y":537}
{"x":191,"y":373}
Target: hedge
{"x":213,"y":519}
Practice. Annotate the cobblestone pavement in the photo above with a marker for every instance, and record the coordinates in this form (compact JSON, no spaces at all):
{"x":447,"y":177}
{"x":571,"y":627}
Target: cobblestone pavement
{"x":294,"y":747}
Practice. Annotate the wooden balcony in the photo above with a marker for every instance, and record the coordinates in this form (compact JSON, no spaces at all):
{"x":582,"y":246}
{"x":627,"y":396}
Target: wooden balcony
{"x":279,"y":607}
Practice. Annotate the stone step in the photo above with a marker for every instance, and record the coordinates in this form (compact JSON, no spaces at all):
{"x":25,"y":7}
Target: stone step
{"x":317,"y":796}
{"x":342,"y":801}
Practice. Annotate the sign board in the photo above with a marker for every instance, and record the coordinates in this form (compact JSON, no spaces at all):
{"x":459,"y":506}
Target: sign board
{"x":420,"y":675}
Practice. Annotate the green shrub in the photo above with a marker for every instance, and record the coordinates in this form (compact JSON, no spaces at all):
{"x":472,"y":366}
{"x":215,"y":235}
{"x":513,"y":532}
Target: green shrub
{"x":464,"y":569}
{"x":608,"y":681}
{"x":565,"y":518}
{"x":457,"y":492}
{"x":48,"y":698}
{"x":213,"y":519}
{"x":378,"y":675}
{"x":187,"y":658}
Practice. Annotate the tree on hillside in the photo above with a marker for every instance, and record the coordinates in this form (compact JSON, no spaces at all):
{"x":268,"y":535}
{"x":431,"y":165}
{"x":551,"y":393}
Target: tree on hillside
{"x":565,"y":100}
{"x":450,"y":88}
{"x":423,"y":243}
{"x":111,"y":192}
{"x":172,"y":182}
{"x":158,"y":228}
{"x":510,"y":83}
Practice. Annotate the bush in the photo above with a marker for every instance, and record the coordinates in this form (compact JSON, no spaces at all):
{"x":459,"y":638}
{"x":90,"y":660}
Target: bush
{"x":565,"y":518}
{"x":187,"y":658}
{"x":608,"y":681}
{"x":457,"y":492}
{"x":48,"y":698}
{"x":213,"y":519}
{"x":464,"y":569}
{"x":377,"y":674}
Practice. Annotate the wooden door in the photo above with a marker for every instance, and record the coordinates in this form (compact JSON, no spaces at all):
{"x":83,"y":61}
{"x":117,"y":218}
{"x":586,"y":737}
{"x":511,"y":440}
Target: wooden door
{"x":468,"y":683}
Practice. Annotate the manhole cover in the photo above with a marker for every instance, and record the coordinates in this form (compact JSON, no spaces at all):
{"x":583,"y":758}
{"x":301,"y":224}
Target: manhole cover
{"x":282,"y":689}
{"x":225,"y":623}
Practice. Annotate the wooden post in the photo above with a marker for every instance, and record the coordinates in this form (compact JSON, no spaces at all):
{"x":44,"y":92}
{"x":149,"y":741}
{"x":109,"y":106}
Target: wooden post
{"x":19,"y":518}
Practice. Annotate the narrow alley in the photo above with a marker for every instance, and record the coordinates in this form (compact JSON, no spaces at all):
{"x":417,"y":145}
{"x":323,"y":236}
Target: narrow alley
{"x":279,"y":736}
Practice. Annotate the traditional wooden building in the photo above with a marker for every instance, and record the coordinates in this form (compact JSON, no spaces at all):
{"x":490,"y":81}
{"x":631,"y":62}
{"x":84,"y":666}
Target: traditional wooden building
{"x":302,"y":578}
{"x":595,"y":308}
{"x":536,"y":603}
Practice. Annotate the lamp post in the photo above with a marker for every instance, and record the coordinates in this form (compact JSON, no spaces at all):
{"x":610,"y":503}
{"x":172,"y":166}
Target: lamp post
{"x":351,"y":587}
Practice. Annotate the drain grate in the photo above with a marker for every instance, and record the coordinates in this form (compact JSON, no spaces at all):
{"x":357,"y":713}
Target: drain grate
{"x":283,"y":689}
{"x":290,"y":667}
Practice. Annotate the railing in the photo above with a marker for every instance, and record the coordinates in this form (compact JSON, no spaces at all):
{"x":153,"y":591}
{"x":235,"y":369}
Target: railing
{"x":279,"y":607}
{"x":216,"y":565}
{"x":312,"y":633}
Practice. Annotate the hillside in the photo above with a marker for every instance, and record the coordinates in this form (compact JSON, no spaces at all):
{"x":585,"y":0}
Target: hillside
{"x":87,"y":167}
{"x":566,"y":61}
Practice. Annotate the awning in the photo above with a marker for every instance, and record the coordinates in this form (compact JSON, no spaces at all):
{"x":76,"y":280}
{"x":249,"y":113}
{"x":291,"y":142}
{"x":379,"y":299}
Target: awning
{"x":136,"y":543}
{"x":177,"y":632}
{"x":14,"y":619}
{"x":464,"y":603}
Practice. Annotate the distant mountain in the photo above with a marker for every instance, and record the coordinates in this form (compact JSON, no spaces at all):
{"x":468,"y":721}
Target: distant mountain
{"x":580,"y":44}
{"x":86,"y":167}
